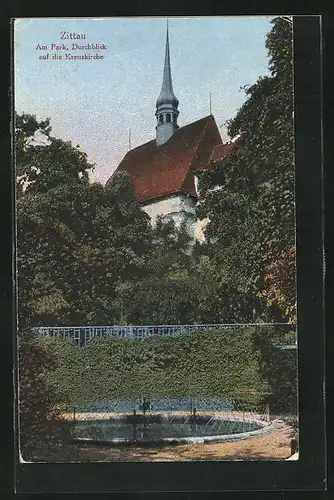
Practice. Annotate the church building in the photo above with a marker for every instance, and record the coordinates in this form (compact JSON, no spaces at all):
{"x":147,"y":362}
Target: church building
{"x":165,"y":171}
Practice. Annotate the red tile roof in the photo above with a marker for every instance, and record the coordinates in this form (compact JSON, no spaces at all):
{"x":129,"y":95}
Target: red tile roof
{"x":221,"y":151}
{"x":159,"y":171}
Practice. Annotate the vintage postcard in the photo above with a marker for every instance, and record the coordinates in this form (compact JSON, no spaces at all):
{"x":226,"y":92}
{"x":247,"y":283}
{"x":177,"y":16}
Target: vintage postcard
{"x":156,"y":239}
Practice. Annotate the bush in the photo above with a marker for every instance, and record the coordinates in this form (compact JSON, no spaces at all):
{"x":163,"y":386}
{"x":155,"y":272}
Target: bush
{"x":40,"y":410}
{"x":279,"y":367}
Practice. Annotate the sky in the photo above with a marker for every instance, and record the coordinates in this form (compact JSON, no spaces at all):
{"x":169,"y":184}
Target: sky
{"x":95,"y":102}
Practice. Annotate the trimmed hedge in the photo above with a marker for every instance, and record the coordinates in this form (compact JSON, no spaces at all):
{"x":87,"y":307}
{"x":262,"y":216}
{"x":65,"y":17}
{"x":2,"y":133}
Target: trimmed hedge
{"x":204,"y":364}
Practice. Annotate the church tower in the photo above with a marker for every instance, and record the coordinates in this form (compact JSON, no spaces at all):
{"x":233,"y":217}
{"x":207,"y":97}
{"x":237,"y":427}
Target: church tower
{"x":167,"y":103}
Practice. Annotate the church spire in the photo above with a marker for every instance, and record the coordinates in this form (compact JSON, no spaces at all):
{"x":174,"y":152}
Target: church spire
{"x":167,"y":103}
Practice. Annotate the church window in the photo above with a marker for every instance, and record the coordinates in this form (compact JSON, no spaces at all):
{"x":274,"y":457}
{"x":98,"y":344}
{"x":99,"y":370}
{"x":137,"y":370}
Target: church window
{"x":161,"y":119}
{"x":168,"y":117}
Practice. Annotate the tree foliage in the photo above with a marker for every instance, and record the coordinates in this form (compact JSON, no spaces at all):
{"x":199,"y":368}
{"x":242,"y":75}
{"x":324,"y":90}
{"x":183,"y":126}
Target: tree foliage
{"x":252,"y":216}
{"x":76,"y":240}
{"x":278,"y":367}
{"x":181,"y":285}
{"x":280,"y":284}
{"x":40,"y":410}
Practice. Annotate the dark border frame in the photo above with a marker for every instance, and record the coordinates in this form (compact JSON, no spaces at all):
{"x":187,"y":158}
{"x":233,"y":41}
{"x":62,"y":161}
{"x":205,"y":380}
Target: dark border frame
{"x":309,"y":472}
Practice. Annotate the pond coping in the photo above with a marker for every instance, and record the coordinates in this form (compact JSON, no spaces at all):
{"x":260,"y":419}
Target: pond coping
{"x":265,"y":427}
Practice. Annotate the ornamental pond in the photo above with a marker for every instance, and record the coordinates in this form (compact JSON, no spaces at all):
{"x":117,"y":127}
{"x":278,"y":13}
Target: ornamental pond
{"x":177,"y":420}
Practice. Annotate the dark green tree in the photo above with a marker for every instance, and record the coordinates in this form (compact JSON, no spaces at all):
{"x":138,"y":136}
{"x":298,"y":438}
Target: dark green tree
{"x":180,"y":285}
{"x":252,"y":215}
{"x":76,"y":240}
{"x":39,"y":408}
{"x":165,"y":293}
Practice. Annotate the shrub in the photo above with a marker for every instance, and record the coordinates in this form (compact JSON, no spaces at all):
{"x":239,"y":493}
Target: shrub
{"x":39,"y":408}
{"x":279,"y":367}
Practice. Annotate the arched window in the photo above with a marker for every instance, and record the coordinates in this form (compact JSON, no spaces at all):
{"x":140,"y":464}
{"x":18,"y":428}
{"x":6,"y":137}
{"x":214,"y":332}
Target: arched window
{"x":168,"y":117}
{"x":161,"y":118}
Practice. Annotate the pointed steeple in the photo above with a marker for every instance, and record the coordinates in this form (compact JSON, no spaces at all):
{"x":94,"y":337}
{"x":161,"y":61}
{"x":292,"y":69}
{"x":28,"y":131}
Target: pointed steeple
{"x":167,"y":95}
{"x":167,"y":103}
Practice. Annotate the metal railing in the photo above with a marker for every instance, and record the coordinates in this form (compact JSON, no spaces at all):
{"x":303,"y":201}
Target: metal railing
{"x":83,"y":334}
